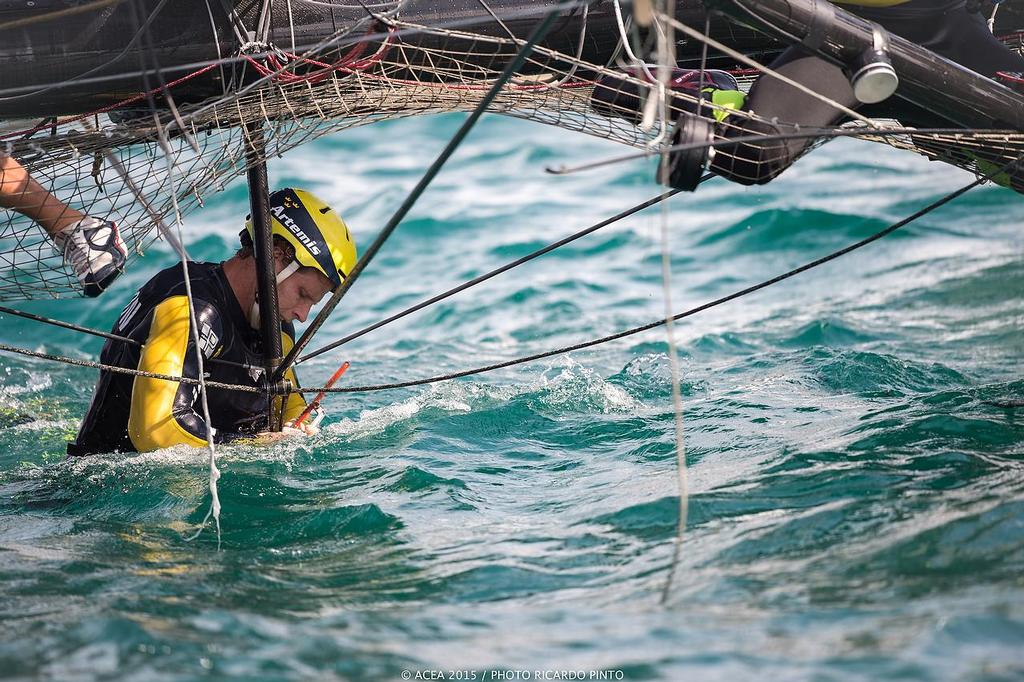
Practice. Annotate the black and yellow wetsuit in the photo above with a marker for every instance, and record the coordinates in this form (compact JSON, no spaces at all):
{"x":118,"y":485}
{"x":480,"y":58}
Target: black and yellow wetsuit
{"x":134,"y":413}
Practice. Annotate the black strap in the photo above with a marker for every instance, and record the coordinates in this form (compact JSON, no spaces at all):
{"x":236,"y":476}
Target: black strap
{"x":823,"y":13}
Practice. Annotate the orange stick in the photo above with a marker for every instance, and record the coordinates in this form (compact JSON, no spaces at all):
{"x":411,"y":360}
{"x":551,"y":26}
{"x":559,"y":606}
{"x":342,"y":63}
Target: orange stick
{"x":320,"y":396}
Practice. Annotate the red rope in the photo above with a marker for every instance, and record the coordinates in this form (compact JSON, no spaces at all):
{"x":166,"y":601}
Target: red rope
{"x":350,"y":62}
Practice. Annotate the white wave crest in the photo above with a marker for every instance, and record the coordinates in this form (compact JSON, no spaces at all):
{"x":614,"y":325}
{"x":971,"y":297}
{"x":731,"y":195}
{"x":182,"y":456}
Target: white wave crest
{"x":567,"y":387}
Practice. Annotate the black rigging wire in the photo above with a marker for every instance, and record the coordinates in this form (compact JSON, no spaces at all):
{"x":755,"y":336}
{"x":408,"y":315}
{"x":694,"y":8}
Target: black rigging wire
{"x":687,"y":313}
{"x":66,"y":325}
{"x":408,"y":311}
{"x":743,"y":292}
{"x":106,"y":335}
{"x":510,"y":70}
{"x":801,"y":133}
{"x":124,"y":370}
{"x":493,"y":273}
{"x":558,"y":351}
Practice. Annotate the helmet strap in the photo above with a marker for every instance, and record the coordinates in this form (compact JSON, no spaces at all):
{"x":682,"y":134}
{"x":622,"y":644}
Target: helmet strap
{"x":254,"y":312}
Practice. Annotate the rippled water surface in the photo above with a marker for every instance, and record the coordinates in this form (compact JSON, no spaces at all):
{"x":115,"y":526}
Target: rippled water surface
{"x":856,"y":476}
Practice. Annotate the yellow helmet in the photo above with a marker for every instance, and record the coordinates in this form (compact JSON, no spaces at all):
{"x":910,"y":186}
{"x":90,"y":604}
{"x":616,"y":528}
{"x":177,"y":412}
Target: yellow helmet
{"x":319,"y":235}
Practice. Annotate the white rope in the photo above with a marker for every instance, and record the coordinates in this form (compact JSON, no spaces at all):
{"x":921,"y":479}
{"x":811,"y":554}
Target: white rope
{"x":291,"y":24}
{"x":666,"y":63}
{"x":625,"y":42}
{"x":214,"y":471}
{"x":263,"y":23}
{"x":579,"y":50}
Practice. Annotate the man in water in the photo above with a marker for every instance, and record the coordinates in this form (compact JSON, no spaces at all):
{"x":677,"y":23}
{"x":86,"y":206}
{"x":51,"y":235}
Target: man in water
{"x":313,"y":252}
{"x":947,"y":27}
{"x":91,"y":246}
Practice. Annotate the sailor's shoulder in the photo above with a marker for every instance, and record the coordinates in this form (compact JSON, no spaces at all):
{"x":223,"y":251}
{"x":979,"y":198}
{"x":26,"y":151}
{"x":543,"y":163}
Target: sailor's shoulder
{"x":171,"y":281}
{"x":167,"y":285}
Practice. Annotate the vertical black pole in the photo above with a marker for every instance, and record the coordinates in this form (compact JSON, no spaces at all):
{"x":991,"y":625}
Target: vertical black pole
{"x":263,"y":247}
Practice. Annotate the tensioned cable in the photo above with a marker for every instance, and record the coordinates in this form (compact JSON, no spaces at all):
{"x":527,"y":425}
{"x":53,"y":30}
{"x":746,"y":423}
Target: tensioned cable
{"x":558,"y":351}
{"x":291,"y":23}
{"x":889,"y":131}
{"x":744,"y":59}
{"x":679,"y":316}
{"x":579,"y":48}
{"x":96,"y":332}
{"x":216,"y":42}
{"x":488,"y":275}
{"x":263,"y":24}
{"x":124,"y":370}
{"x":421,"y":186}
{"x":494,"y":16}
{"x":408,"y":311}
{"x":66,"y":325}
{"x":624,"y":41}
{"x":241,"y":32}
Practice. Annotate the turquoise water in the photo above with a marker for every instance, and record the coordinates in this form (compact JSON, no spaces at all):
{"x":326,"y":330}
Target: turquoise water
{"x":856,"y":498}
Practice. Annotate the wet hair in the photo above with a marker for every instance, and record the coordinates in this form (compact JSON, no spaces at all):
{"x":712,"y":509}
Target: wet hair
{"x":246,"y":249}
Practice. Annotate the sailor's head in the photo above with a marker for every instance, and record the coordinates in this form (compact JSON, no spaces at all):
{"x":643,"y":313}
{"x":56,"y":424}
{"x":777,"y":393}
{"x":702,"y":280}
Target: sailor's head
{"x":313,"y":250}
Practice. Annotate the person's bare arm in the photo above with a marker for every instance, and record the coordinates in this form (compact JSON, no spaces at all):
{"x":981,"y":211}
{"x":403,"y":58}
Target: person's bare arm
{"x":20,"y":192}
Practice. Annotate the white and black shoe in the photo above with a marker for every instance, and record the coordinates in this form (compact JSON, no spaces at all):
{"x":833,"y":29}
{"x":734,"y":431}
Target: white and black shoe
{"x":96,"y":252}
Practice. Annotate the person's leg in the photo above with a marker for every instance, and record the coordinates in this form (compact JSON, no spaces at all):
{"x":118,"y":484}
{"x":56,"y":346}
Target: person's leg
{"x":954,"y":33}
{"x":782,"y":108}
